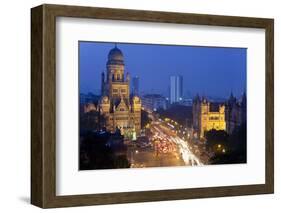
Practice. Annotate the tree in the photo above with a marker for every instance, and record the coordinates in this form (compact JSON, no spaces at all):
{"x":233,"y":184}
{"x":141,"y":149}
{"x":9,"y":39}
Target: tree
{"x":144,"y":118}
{"x":236,"y":151}
{"x":181,"y":114}
{"x":91,"y":120}
{"x":96,"y":153}
{"x":215,"y":138}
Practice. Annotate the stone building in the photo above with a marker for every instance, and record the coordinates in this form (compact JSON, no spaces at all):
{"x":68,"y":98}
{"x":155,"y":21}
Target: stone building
{"x":120,"y":109}
{"x":207,"y":116}
{"x":235,"y":113}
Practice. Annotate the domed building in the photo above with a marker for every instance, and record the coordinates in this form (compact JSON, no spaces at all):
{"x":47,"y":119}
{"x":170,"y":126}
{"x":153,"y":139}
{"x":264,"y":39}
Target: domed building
{"x":120,"y":110}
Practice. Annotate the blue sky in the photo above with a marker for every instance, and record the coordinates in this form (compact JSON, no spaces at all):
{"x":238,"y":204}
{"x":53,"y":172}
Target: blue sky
{"x":210,"y":71}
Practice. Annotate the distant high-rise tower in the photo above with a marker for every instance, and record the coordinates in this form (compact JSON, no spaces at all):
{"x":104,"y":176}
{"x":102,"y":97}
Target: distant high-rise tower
{"x":135,"y":85}
{"x":176,"y":88}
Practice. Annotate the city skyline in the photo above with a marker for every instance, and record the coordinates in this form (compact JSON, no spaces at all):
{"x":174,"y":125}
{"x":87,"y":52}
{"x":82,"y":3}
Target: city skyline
{"x":122,"y":129}
{"x":197,"y":65}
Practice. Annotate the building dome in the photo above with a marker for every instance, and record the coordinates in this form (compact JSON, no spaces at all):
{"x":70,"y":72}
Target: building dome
{"x":115,"y":56}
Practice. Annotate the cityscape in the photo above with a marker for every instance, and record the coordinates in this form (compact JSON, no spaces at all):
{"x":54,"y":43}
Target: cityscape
{"x":154,"y":105}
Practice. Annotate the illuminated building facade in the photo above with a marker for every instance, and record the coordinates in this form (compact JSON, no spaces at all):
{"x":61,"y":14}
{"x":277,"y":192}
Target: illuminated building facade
{"x":207,"y":116}
{"x":120,"y":110}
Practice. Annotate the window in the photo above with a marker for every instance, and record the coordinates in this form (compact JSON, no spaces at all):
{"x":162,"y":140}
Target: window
{"x":213,"y":118}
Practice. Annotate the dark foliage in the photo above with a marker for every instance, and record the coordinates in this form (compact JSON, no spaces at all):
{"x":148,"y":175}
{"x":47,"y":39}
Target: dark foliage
{"x":236,"y":147}
{"x":91,"y":120}
{"x":144,"y":118}
{"x":181,"y":114}
{"x":215,"y":137}
{"x":97,"y":153}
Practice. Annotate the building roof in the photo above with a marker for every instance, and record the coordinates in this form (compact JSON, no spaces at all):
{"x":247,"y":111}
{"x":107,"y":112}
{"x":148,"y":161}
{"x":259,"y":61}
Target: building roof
{"x":115,"y":56}
{"x":215,"y":106}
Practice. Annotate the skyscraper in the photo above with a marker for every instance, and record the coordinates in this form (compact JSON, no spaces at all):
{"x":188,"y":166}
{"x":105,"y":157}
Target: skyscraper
{"x":135,"y":85}
{"x":176,"y":88}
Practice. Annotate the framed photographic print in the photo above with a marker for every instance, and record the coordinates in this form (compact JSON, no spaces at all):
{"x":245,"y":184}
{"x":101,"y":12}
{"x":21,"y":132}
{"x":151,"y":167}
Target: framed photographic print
{"x":136,"y":106}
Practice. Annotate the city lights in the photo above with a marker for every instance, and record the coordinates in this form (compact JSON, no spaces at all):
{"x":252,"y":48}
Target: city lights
{"x":161,"y":116}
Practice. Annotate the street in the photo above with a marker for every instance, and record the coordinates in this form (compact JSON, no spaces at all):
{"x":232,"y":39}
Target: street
{"x":165,"y":147}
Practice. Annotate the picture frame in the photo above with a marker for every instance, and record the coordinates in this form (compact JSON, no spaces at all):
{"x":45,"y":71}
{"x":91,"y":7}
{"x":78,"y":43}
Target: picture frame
{"x":43,"y":105}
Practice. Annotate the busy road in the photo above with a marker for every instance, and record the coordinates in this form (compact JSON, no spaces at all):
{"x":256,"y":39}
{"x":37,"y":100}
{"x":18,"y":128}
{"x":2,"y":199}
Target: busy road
{"x":167,"y":135}
{"x":163,"y":145}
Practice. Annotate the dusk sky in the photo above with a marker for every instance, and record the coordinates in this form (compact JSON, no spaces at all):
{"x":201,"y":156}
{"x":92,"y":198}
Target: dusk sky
{"x":209,"y":71}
